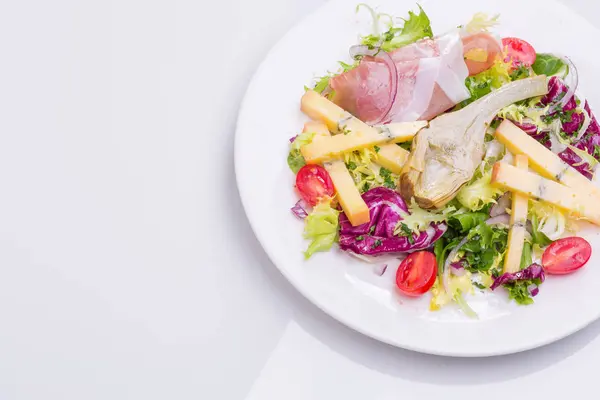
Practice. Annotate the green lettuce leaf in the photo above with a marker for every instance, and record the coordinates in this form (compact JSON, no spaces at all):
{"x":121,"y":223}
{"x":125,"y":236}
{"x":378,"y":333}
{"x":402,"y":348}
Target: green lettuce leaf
{"x":295,"y":159}
{"x":467,"y":221}
{"x":321,"y":228}
{"x":548,"y":64}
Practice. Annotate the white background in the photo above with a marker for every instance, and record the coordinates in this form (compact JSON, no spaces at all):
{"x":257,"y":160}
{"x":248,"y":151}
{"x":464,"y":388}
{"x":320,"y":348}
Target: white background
{"x":128,"y":269}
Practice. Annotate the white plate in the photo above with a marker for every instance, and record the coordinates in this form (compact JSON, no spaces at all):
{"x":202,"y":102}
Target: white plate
{"x":348,"y":289}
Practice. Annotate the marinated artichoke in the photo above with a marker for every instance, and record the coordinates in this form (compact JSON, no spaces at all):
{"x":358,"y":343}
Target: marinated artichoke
{"x":445,"y":155}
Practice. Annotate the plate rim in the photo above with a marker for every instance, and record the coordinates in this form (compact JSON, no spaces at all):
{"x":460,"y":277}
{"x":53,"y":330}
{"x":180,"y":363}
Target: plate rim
{"x":324,"y":306}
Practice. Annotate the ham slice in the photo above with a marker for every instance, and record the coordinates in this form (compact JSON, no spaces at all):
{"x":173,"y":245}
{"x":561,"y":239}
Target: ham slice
{"x":431,"y":79}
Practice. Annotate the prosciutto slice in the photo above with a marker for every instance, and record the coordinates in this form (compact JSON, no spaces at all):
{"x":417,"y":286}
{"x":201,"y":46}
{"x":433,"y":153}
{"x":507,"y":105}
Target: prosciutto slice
{"x":431,"y":79}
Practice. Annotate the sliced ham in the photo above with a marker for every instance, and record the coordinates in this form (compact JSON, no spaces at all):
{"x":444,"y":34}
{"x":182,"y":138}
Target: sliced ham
{"x":431,"y":79}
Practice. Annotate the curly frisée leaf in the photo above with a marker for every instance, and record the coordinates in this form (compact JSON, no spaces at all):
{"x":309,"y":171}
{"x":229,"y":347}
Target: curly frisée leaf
{"x":479,"y":193}
{"x":481,"y":22}
{"x":418,"y":220}
{"x":416,"y":27}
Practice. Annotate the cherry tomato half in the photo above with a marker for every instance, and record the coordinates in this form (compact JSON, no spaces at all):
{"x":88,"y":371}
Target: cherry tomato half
{"x":566,"y":255}
{"x":313,"y":182}
{"x":416,"y":274}
{"x":519,"y":51}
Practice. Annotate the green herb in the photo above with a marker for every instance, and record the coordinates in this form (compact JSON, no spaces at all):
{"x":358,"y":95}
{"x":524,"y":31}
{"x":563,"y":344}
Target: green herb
{"x":521,"y":72}
{"x":485,"y":247}
{"x":388,"y":180}
{"x":360,"y":238}
{"x":416,"y":27}
{"x":376,"y":244}
{"x":351,"y":165}
{"x":479,"y":285}
{"x":371,"y":230}
{"x":406,"y":231}
{"x":547,"y":64}
{"x":596,"y":151}
{"x":405,"y":145}
{"x":377,"y":148}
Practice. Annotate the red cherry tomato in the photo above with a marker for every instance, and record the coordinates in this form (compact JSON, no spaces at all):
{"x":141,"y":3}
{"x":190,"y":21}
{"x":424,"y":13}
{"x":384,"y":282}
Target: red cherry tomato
{"x":313,"y":182}
{"x":416,"y":274}
{"x":566,"y":255}
{"x":483,"y":42}
{"x":519,"y":51}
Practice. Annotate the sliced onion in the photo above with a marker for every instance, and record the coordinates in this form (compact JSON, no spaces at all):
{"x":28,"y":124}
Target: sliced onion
{"x":573,"y":83}
{"x":380,"y":269}
{"x":584,"y":127}
{"x":377,"y":53}
{"x":448,"y":263}
{"x":501,"y":205}
{"x":533,"y":289}
{"x":299,"y":209}
{"x":557,"y":146}
{"x":502,"y":219}
{"x":458,"y":269}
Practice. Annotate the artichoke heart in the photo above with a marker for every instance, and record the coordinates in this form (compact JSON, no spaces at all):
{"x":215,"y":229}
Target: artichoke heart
{"x":446,"y":154}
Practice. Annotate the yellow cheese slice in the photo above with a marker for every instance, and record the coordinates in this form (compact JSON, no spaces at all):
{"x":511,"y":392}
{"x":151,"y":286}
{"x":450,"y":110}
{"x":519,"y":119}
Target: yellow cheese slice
{"x":348,"y":195}
{"x":518,"y":221}
{"x":579,"y":202}
{"x":392,"y":157}
{"x":354,"y":133}
{"x":544,"y":161}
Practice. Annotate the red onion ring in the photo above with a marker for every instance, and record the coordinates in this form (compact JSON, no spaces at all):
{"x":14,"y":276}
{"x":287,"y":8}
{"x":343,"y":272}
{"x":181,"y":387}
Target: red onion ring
{"x":377,"y":53}
{"x":584,"y":127}
{"x":299,"y":209}
{"x":448,"y":263}
{"x":502,"y":219}
{"x":380,"y":269}
{"x":572,"y":85}
{"x":501,"y":205}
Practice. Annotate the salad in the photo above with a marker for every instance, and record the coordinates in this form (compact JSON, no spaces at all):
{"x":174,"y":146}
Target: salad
{"x":464,"y":158}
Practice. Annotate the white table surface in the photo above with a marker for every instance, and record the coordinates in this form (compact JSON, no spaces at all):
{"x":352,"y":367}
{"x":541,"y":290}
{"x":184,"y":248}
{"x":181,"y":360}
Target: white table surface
{"x":128,"y":269}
